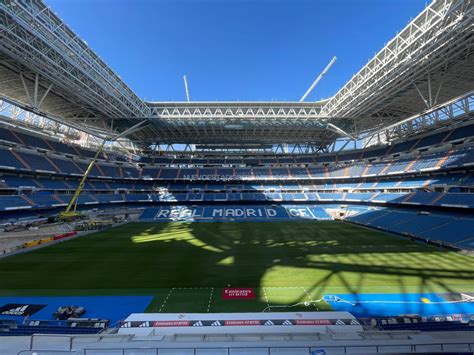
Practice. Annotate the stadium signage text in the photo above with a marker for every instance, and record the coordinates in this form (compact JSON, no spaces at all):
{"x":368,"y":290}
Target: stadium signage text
{"x":248,"y":176}
{"x":238,"y":293}
{"x":171,"y":323}
{"x":245,"y":322}
{"x":254,"y":212}
{"x":240,"y":322}
{"x":16,"y":309}
{"x":312,"y":322}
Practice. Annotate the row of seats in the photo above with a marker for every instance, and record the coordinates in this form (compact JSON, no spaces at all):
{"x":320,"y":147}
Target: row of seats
{"x":56,"y":183}
{"x":33,"y":161}
{"x":25,"y":138}
{"x":445,"y":228}
{"x":27,"y":330}
{"x":29,"y":161}
{"x":46,"y":200}
{"x":396,"y":166}
{"x":412,"y":144}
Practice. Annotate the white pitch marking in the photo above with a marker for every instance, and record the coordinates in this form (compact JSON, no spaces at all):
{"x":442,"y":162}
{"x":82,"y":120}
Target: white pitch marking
{"x":310,"y":298}
{"x":266,"y":297}
{"x":210,"y":299}
{"x":166,"y":299}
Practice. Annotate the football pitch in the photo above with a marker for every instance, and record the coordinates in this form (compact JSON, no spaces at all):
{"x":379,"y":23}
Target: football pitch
{"x":185,"y":266}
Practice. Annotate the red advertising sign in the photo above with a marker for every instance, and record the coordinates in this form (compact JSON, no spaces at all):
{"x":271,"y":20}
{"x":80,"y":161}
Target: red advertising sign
{"x":241,"y":322}
{"x":238,"y":293}
{"x":312,"y":322}
{"x":171,"y":323}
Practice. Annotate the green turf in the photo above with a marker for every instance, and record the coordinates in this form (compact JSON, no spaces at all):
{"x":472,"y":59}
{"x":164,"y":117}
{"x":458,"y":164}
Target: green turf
{"x":186,"y":265}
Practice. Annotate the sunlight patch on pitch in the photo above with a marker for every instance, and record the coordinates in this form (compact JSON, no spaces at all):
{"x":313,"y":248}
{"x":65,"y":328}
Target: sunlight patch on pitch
{"x":227,"y":261}
{"x":182,"y":236}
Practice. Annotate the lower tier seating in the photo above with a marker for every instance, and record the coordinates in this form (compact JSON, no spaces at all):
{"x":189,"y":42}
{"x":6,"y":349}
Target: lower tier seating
{"x":449,"y":229}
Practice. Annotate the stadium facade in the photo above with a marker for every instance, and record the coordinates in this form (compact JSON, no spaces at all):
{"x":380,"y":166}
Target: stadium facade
{"x":392,"y":150}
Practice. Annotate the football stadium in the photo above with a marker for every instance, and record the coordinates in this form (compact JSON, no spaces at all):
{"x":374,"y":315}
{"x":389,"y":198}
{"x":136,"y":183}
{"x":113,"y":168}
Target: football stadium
{"x":337,"y":226}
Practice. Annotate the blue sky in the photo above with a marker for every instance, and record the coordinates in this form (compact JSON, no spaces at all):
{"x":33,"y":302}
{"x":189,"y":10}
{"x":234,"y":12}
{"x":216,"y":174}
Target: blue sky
{"x":235,"y":49}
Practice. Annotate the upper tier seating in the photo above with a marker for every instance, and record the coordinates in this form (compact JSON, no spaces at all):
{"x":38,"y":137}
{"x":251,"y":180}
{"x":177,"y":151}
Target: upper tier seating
{"x":9,"y":159}
{"x":394,"y":184}
{"x":36,"y":162}
{"x":7,"y":135}
{"x":31,"y":140}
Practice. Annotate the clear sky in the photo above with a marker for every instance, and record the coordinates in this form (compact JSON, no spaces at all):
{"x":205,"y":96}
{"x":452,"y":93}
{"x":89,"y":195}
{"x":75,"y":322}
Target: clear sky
{"x":235,"y":49}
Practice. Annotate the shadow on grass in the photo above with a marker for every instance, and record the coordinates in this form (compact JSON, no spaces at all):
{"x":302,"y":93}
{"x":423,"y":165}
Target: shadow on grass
{"x":305,"y":260}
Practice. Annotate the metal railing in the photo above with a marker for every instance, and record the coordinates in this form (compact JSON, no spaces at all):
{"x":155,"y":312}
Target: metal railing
{"x":344,"y":349}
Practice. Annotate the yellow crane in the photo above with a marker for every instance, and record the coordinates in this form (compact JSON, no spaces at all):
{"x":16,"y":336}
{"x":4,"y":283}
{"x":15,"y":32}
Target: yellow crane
{"x":70,"y":212}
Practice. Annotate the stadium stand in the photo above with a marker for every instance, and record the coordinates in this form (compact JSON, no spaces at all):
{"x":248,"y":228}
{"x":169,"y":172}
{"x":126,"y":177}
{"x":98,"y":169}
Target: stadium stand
{"x":41,"y":180}
{"x":392,"y":151}
{"x":453,"y":229}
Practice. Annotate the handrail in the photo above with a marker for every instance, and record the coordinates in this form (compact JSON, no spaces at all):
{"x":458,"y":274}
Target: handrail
{"x":347,"y":348}
{"x":38,"y":352}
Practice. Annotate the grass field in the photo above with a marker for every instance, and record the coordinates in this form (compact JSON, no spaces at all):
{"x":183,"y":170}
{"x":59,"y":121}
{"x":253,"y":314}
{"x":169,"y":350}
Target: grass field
{"x":186,"y":265}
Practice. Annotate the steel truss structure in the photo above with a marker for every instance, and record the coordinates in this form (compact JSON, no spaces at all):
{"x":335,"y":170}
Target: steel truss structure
{"x":45,"y":67}
{"x":15,"y":115}
{"x":429,"y":62}
{"x":240,"y":149}
{"x":12,"y":115}
{"x":244,"y":122}
{"x":450,"y":113}
{"x":447,"y":114}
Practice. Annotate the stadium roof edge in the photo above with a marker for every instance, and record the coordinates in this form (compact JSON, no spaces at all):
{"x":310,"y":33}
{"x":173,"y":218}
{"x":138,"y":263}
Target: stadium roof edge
{"x":429,"y":62}
{"x":260,"y":102}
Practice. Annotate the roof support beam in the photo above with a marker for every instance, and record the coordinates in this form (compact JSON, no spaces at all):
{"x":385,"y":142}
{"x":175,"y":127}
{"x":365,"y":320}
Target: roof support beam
{"x":35,"y":93}
{"x":421,"y":95}
{"x":27,"y":92}
{"x":38,"y":106}
{"x":340,"y":131}
{"x":133,"y":129}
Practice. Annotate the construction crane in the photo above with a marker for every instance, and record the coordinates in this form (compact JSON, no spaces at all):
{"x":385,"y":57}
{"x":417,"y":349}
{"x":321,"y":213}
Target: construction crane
{"x":186,"y":87}
{"x":70,"y":212}
{"x":316,"y":81}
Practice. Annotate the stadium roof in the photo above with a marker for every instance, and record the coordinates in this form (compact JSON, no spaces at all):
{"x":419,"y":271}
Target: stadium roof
{"x":47,"y":68}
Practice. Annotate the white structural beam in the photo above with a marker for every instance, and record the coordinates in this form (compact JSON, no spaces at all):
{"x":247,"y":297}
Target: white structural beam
{"x":236,"y":110}
{"x":437,"y":43}
{"x":186,"y":88}
{"x":37,"y":41}
{"x":318,"y":79}
{"x":440,"y":115}
{"x":21,"y":116}
{"x":47,"y":68}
